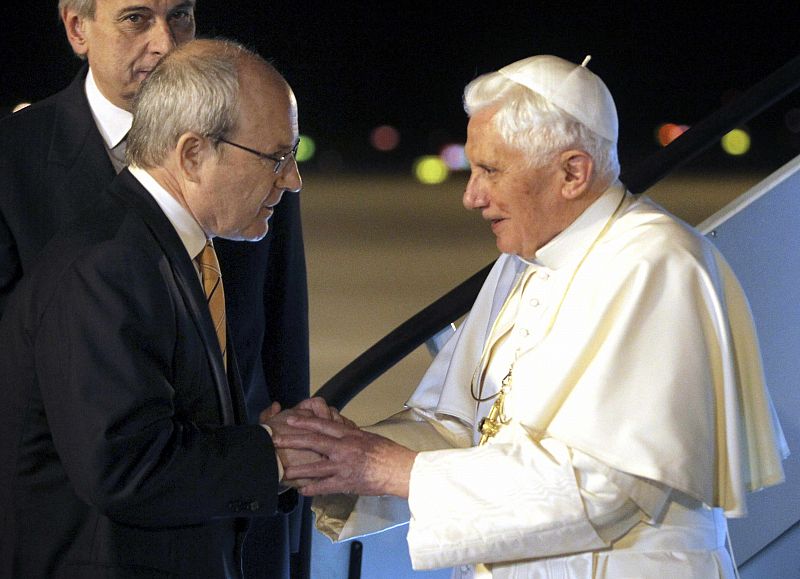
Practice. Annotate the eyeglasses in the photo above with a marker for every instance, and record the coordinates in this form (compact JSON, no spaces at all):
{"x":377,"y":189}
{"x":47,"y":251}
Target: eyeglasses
{"x":279,"y":160}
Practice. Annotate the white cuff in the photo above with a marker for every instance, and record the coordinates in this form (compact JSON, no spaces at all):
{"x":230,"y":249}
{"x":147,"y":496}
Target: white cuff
{"x":277,"y":458}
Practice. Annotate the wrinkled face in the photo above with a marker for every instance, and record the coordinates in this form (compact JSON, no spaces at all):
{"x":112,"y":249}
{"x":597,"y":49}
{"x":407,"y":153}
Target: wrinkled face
{"x":125,"y":40}
{"x":239,"y":190}
{"x":524,"y":205}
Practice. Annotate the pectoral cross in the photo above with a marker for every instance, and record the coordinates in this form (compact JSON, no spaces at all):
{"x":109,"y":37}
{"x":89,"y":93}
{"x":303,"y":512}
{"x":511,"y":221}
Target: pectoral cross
{"x":490,"y":425}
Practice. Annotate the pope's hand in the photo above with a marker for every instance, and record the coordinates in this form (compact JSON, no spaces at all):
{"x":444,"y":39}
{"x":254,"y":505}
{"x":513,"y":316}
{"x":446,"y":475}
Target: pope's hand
{"x":277,"y":420}
{"x":351,"y":461}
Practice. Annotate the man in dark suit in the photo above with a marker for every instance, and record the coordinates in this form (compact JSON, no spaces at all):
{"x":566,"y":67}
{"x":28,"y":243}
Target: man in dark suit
{"x":125,"y":450}
{"x":57,"y":156}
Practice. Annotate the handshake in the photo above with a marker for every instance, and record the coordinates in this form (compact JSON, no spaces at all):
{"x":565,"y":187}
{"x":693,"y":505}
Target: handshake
{"x":322,"y":452}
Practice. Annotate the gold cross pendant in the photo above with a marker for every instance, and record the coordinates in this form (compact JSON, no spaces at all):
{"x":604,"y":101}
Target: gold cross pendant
{"x":490,"y":425}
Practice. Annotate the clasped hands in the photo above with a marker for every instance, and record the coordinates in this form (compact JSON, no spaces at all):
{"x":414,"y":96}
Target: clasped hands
{"x":323,"y":452}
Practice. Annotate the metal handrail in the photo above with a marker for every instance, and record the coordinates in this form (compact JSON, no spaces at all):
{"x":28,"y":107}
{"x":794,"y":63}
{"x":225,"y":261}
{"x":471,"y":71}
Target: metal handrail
{"x":404,"y":339}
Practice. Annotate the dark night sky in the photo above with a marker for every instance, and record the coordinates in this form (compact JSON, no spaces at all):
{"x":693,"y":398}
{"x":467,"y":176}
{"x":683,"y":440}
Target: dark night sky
{"x":357,"y":65}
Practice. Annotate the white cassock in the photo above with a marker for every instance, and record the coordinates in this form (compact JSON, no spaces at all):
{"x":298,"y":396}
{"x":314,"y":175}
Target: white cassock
{"x":638,"y":413}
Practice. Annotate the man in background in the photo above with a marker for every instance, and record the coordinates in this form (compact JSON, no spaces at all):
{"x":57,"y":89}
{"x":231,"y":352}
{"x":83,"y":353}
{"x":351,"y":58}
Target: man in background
{"x":57,"y":156}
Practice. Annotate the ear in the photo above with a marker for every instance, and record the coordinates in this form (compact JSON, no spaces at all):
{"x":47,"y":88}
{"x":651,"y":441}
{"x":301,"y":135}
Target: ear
{"x":74,"y":26}
{"x":192,"y":152}
{"x":577,"y":169}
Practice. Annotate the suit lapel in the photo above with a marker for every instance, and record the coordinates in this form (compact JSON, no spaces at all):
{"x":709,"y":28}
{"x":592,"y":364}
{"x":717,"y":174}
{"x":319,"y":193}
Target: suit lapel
{"x":132,"y":194}
{"x":236,"y":385}
{"x":77,"y":153}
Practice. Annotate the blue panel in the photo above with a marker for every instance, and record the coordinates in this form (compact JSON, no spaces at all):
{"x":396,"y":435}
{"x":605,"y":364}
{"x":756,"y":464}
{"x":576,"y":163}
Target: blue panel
{"x":758,"y":234}
{"x":780,"y":559}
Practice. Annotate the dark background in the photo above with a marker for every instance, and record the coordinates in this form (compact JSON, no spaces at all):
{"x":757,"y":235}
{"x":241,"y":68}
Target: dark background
{"x":354,"y":66}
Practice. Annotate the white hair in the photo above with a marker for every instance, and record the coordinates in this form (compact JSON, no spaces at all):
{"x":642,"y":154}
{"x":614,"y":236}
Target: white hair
{"x":529,"y":123}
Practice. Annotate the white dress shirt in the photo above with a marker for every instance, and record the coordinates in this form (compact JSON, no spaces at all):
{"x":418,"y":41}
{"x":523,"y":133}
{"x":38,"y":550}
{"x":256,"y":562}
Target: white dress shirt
{"x":192,"y":235}
{"x":112,"y":122}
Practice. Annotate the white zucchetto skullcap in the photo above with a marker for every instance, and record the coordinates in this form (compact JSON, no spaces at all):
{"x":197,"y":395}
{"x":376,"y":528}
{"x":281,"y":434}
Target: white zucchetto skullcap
{"x":574,"y":89}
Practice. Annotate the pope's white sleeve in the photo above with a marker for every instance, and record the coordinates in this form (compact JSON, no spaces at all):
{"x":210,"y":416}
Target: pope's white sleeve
{"x":614,"y":500}
{"x":519,"y":499}
{"x":419,"y":430}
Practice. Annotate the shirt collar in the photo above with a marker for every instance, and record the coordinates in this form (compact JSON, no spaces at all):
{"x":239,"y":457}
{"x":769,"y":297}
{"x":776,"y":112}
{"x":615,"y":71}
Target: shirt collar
{"x":190,"y":232}
{"x":112,"y":121}
{"x":581,"y":233}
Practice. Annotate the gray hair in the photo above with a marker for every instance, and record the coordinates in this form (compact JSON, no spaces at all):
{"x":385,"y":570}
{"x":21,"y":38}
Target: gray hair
{"x":529,"y":123}
{"x":190,"y":90}
{"x":84,"y":8}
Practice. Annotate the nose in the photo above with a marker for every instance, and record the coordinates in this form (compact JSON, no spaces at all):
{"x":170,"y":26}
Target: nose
{"x":474,"y":195}
{"x":162,"y":38}
{"x":290,"y":179}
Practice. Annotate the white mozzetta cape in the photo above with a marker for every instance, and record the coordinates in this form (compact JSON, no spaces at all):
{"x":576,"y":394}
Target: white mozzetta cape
{"x":652,"y":365}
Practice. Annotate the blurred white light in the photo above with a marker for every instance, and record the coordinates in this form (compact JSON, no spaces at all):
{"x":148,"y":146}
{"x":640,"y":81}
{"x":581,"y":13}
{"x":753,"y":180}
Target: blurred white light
{"x":454,"y":157}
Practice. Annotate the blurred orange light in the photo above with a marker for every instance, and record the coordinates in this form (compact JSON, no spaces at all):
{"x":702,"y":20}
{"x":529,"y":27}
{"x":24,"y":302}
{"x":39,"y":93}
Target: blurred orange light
{"x":385,"y":138}
{"x":668,"y":132}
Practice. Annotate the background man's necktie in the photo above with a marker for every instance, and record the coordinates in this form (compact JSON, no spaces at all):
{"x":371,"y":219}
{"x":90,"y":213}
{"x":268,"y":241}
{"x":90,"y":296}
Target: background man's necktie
{"x":212,"y":285}
{"x":117,"y":155}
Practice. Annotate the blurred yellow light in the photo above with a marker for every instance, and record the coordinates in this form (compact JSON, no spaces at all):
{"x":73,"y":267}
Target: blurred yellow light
{"x":20,"y":106}
{"x":736,"y":143}
{"x":430,"y":170}
{"x":306,"y":149}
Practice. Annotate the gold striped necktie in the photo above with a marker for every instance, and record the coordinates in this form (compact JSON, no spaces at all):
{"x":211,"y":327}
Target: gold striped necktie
{"x":215,"y":294}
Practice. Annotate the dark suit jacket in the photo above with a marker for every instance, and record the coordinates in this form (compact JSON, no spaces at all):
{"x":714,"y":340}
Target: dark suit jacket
{"x":125,"y":450}
{"x":53,"y":166}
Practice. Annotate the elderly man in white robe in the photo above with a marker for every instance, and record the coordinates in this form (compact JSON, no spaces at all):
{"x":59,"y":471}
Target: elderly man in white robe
{"x":602,"y":408}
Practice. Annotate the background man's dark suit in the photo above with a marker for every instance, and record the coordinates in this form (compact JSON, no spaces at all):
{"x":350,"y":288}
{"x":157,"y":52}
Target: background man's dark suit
{"x":53,"y":165}
{"x":132,"y":459}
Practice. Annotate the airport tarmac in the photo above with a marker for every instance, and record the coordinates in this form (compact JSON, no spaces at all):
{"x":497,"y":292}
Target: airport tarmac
{"x":381,"y":248}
